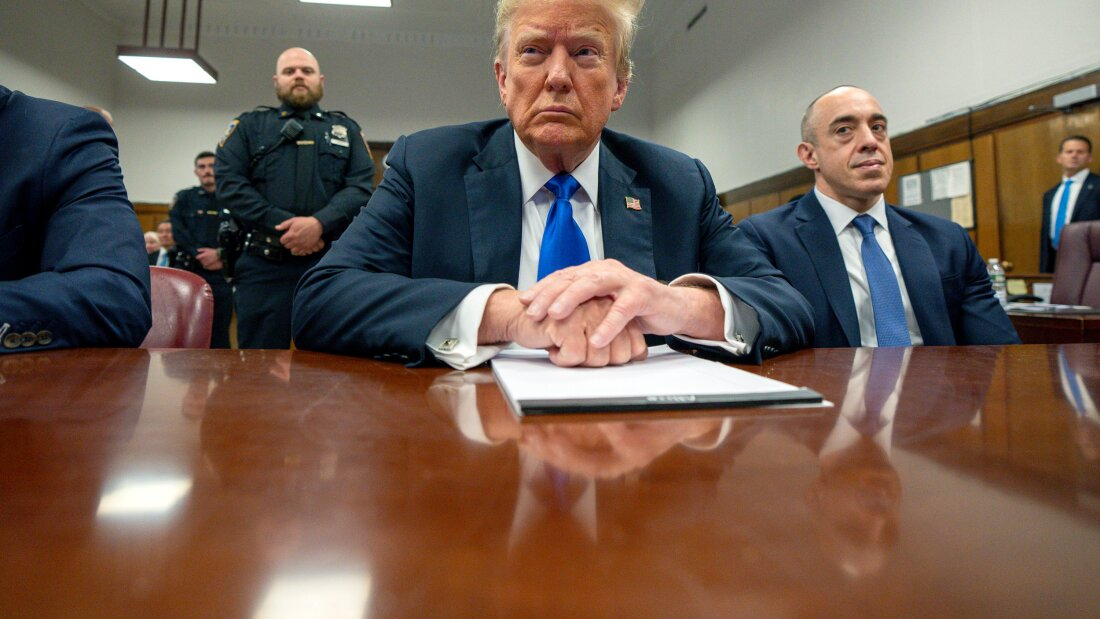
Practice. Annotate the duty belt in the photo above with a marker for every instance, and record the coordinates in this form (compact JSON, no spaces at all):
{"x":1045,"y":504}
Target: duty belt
{"x":265,"y":246}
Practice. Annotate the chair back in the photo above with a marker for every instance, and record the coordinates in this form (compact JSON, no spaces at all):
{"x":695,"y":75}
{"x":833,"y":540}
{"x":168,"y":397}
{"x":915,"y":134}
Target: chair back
{"x":1077,"y":270}
{"x":183,"y":310}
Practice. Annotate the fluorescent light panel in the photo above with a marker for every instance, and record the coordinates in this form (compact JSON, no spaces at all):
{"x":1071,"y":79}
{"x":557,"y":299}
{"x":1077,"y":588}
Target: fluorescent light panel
{"x":385,"y":4}
{"x":168,"y":65}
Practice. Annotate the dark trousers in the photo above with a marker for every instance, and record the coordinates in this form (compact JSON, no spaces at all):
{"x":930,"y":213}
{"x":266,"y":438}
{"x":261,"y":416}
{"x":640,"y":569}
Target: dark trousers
{"x":223,"y":308}
{"x":264,"y":292}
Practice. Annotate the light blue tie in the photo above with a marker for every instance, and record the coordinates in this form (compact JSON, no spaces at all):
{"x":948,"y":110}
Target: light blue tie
{"x":890,"y":326}
{"x":563,"y":243}
{"x":1060,"y":219}
{"x":162,"y":260}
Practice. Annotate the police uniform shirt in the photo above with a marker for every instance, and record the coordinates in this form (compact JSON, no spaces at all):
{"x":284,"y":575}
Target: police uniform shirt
{"x":267,"y":174}
{"x":195,"y":220}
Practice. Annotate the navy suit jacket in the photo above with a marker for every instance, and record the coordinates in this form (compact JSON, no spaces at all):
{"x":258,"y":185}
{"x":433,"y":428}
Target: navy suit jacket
{"x":1086,"y":208}
{"x":73,"y":267}
{"x":447,"y":218}
{"x":945,"y":276}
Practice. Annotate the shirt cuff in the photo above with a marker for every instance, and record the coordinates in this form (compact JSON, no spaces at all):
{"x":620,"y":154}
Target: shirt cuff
{"x":453,"y":340}
{"x":741,"y":325}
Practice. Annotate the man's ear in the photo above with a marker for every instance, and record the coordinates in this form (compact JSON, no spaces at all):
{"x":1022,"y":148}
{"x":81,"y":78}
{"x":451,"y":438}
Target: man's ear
{"x":502,"y":78}
{"x":807,"y":154}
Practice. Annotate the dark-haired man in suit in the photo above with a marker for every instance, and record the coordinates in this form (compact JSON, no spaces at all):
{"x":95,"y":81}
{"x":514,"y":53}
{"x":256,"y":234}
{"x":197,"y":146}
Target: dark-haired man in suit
{"x":73,"y":271}
{"x":467,"y":215}
{"x":1076,"y":198}
{"x":876,"y":275}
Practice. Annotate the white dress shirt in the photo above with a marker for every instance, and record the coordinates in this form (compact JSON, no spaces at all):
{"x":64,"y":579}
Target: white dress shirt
{"x":851,"y":240}
{"x":854,"y":408}
{"x":1074,"y":191}
{"x":453,"y":340}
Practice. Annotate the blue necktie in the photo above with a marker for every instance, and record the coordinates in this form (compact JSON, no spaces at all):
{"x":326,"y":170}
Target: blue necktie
{"x":563,"y":243}
{"x":162,"y":260}
{"x":1060,"y":219}
{"x":890,"y":326}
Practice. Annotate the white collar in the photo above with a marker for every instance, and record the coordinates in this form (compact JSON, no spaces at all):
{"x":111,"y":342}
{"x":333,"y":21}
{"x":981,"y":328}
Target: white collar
{"x":840,"y":215}
{"x":533,"y":175}
{"x":1077,"y":178}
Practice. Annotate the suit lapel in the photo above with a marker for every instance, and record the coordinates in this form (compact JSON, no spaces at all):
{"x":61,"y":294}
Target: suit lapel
{"x":922,"y":281}
{"x":627,"y":231}
{"x":495,"y":203}
{"x":817,"y":236}
{"x":1085,"y":199}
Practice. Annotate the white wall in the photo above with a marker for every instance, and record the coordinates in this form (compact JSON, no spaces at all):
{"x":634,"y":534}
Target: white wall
{"x":731,"y":91}
{"x":57,"y":50}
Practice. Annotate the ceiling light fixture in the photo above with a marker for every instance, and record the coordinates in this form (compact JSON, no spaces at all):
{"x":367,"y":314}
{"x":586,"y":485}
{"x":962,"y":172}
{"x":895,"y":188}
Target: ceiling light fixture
{"x":385,"y":4}
{"x":169,"y":64}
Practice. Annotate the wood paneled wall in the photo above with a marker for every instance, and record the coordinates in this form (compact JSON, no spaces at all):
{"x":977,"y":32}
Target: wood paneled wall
{"x":1012,"y":145}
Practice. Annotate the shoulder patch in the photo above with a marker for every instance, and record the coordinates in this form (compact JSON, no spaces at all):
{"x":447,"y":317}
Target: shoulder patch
{"x":229,"y":131}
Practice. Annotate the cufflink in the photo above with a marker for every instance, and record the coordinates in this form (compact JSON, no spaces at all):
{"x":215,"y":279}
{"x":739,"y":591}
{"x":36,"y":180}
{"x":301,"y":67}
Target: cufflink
{"x":739,"y":337}
{"x":448,"y":344}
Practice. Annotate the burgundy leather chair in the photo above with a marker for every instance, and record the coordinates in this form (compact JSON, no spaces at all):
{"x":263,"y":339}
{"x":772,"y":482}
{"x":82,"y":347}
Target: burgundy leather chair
{"x":183,"y":310}
{"x":1077,"y":270}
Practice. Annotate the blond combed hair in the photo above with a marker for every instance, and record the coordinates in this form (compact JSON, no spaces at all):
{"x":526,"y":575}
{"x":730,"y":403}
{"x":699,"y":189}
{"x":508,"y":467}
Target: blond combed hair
{"x":624,"y":14}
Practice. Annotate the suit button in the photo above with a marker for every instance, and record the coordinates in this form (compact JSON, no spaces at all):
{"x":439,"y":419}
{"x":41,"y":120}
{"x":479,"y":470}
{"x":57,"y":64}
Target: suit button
{"x":45,"y":338}
{"x":29,"y":339}
{"x":13,"y":340}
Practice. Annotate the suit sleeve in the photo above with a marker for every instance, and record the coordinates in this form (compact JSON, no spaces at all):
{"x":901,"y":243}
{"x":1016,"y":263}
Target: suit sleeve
{"x":233,"y":174}
{"x":728,"y":255}
{"x":982,"y":319}
{"x":360,"y":299}
{"x":92,"y":288}
{"x":357,"y":189}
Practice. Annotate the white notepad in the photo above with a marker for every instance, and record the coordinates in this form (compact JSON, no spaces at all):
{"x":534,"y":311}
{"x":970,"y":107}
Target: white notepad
{"x":666,"y":380}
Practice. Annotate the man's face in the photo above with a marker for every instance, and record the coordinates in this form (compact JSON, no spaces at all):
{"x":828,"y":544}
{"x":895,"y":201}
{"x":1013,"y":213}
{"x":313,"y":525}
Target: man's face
{"x":204,"y":170}
{"x":851,"y":158}
{"x":557,"y":78}
{"x":298,"y":80}
{"x":164,"y":233}
{"x":1074,"y":156}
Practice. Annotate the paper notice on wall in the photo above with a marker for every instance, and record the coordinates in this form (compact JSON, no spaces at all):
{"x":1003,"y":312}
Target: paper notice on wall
{"x":911,"y":190}
{"x":958,"y":182}
{"x":940,"y":179}
{"x":962,"y":211}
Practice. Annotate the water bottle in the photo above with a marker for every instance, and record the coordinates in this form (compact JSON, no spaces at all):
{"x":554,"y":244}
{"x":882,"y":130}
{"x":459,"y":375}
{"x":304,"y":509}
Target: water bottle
{"x":997,"y":278}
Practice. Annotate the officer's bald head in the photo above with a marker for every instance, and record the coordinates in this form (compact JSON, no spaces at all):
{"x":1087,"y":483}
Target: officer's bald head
{"x":298,"y":80}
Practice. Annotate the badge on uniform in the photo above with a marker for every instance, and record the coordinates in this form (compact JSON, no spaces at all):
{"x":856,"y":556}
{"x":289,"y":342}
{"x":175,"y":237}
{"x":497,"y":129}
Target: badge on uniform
{"x":229,"y":132}
{"x":340,"y":136}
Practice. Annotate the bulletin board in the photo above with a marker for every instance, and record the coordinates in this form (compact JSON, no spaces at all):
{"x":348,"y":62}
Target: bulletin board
{"x":946,"y":192}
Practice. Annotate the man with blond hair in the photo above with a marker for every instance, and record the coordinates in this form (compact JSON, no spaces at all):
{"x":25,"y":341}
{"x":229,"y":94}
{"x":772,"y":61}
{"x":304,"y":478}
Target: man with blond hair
{"x":293,"y":177}
{"x":546,"y":229}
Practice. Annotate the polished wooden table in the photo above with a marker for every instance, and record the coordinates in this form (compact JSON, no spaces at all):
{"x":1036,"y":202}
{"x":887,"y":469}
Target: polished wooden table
{"x":279,"y":484}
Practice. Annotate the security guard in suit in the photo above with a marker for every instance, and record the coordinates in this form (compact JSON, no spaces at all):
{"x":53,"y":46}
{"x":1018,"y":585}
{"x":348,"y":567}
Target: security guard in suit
{"x":293,"y":177}
{"x":196,"y":218}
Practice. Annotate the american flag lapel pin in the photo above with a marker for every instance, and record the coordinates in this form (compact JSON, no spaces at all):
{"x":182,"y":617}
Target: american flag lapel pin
{"x":633,"y":203}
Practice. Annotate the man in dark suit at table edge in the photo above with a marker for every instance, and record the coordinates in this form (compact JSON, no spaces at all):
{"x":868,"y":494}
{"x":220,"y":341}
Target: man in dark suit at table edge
{"x":430,"y":268}
{"x":1082,"y":203}
{"x":73,"y":268}
{"x":875,"y":274}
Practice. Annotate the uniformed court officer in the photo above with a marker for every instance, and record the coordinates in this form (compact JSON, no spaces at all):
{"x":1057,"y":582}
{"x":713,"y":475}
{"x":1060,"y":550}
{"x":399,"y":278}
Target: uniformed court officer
{"x":196,"y":217}
{"x":293,"y":177}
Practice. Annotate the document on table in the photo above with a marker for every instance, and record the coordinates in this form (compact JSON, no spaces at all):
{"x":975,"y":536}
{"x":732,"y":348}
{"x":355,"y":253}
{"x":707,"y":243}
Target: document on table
{"x":666,"y":380}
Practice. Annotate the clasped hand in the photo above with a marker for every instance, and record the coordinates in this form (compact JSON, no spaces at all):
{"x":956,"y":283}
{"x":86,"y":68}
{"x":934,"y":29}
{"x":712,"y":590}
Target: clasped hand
{"x":301,"y":235}
{"x":596,"y":314}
